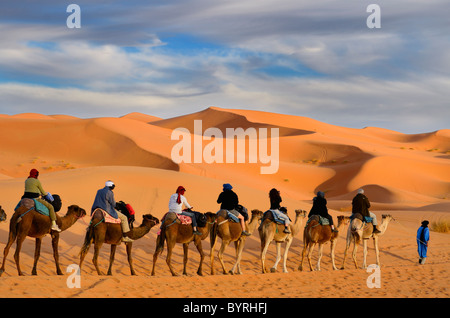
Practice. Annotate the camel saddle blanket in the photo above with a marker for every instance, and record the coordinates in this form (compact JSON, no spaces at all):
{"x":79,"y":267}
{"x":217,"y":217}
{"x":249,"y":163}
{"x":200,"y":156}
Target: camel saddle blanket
{"x":108,"y":218}
{"x":184,"y":219}
{"x":318,"y":218}
{"x":30,"y":203}
{"x":269,"y":214}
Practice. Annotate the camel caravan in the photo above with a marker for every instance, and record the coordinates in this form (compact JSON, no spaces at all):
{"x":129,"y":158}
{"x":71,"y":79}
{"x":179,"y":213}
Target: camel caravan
{"x":112,"y":223}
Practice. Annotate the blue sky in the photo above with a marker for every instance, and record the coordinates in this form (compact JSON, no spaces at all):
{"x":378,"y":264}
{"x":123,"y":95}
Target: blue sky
{"x":167,"y":58}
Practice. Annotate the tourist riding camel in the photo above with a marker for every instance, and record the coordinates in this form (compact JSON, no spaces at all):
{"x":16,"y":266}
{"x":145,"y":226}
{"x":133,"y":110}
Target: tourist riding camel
{"x":229,"y":200}
{"x":320,"y":208}
{"x":104,"y":199}
{"x":361,"y":204}
{"x":176,"y":202}
{"x":275,"y":200}
{"x":34,"y":189}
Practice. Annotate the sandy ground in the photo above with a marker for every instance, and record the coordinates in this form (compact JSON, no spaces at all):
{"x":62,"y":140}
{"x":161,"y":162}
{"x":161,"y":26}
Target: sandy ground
{"x":407,"y":176}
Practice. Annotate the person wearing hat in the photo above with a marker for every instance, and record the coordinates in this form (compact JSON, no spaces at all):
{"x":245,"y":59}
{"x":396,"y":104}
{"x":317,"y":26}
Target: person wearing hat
{"x":275,"y":200}
{"x":229,"y":200}
{"x":423,"y":236}
{"x":361,"y":204}
{"x":104,"y":199}
{"x":34,"y":189}
{"x":320,"y":208}
{"x":176,"y":202}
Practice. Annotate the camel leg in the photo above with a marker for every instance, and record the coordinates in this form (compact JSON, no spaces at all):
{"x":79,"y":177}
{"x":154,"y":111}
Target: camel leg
{"x":185,"y":257}
{"x":300,"y":267}
{"x":286,"y":251}
{"x":239,"y":246}
{"x":158,"y":250}
{"x":55,"y":241}
{"x":97,"y":246}
{"x":332,"y":251}
{"x":347,"y":246}
{"x":211,"y":255}
{"x":198,"y":244}
{"x":37,"y":253}
{"x":236,"y":269}
{"x":220,"y":255}
{"x":355,"y":249}
{"x":364,"y":266}
{"x":170,"y":246}
{"x":20,"y":238}
{"x":377,"y":251}
{"x":130,"y":258}
{"x":311,"y":249}
{"x":277,"y":259}
{"x":11,"y":240}
{"x":320,"y":250}
{"x":112,"y":254}
{"x":264,"y":247}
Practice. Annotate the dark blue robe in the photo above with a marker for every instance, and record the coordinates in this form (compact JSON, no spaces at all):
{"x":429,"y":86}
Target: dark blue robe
{"x":423,"y":236}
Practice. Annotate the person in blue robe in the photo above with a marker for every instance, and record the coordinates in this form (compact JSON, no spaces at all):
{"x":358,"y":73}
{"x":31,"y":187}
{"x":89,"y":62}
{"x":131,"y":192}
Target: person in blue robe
{"x":423,"y":236}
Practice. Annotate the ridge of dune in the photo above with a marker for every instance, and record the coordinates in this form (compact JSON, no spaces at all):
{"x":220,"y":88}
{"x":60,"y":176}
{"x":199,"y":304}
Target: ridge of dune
{"x":221,"y":119}
{"x":141,"y":117}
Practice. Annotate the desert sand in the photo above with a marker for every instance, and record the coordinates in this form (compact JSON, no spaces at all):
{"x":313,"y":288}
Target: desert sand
{"x":407,"y":176}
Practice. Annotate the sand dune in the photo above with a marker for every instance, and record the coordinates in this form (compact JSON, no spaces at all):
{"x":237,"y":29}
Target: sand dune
{"x":405,"y":175}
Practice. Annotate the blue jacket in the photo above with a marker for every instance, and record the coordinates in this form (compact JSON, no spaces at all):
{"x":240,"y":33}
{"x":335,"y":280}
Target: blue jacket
{"x":104,"y":199}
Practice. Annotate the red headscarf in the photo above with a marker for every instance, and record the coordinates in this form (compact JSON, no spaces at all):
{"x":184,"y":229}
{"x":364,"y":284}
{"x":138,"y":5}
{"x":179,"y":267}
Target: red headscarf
{"x":33,"y":173}
{"x":180,"y":191}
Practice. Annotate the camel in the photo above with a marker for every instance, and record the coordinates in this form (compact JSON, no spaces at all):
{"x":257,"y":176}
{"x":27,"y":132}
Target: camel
{"x":111,"y":233}
{"x":28,"y":222}
{"x":174,"y":232}
{"x":2,"y":215}
{"x":229,"y":232}
{"x":315,"y":233}
{"x":271,"y":231}
{"x":361,"y":230}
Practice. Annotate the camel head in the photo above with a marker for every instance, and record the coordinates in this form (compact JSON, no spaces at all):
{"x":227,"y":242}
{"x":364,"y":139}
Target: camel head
{"x":300,"y":213}
{"x":75,"y":209}
{"x":2,"y":215}
{"x":342,"y":219}
{"x":387,"y":218}
{"x":258,"y":214}
{"x":211,"y":217}
{"x":150,"y":219}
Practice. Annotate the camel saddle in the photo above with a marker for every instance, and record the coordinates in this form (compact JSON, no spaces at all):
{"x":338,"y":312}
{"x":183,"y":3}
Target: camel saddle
{"x":106,"y":217}
{"x":359,"y":216}
{"x":320,"y":219}
{"x":272,"y":217}
{"x":229,"y":215}
{"x":33,"y":203}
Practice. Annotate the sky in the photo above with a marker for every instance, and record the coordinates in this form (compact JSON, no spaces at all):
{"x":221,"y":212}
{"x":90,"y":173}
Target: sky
{"x":166,"y":58}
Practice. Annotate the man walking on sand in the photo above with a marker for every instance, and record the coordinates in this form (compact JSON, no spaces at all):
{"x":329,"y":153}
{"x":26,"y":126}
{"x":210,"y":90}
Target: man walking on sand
{"x":423,"y":236}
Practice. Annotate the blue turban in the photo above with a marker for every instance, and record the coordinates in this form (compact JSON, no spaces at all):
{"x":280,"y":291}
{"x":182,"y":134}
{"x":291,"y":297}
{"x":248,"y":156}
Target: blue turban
{"x":227,"y":186}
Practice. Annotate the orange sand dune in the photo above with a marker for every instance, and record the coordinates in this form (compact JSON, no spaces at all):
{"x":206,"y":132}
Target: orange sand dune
{"x":404,"y":175}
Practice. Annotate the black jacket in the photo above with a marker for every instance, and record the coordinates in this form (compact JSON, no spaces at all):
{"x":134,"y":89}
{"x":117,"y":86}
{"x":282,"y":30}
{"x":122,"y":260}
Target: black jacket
{"x":319,"y":207}
{"x":228,"y":200}
{"x":361,"y":204}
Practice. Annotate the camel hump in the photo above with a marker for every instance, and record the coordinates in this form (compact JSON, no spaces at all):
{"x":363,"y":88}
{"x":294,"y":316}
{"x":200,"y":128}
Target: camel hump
{"x":268,"y":215}
{"x":97,"y":214}
{"x":169,"y":217}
